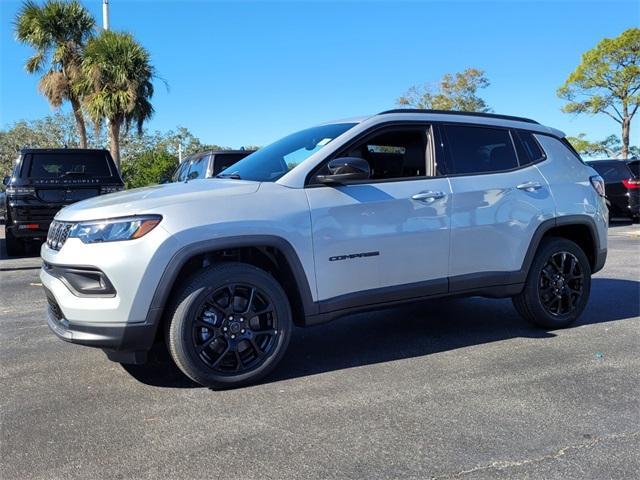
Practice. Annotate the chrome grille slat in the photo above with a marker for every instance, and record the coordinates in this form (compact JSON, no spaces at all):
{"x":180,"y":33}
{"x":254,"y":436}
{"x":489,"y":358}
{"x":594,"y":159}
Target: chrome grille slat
{"x":58,"y":234}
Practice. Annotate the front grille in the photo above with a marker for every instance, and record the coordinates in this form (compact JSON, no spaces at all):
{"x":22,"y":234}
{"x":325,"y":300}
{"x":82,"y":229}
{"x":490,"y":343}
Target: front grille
{"x":58,"y":233}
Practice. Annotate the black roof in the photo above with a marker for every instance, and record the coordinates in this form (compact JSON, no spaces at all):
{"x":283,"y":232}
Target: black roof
{"x":61,"y":150}
{"x":456,"y":112}
{"x":217,"y":152}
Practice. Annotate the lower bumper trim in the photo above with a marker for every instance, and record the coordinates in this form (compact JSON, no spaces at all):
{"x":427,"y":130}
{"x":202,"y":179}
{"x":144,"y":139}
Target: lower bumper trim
{"x":119,"y":337}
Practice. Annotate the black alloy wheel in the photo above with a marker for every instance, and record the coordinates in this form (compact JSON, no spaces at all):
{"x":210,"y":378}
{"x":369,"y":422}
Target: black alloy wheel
{"x":558,"y":284}
{"x":229,"y":326}
{"x":561,"y":283}
{"x":235,"y":329}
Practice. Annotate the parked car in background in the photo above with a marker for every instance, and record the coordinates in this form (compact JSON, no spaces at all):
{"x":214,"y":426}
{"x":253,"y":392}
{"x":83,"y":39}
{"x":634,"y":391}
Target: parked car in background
{"x":339,"y":218}
{"x":44,"y":181}
{"x":207,"y":164}
{"x":622,"y":183}
{"x":2,"y":207}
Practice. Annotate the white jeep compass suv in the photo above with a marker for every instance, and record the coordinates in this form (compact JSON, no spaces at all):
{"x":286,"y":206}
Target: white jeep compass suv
{"x":350,"y":215}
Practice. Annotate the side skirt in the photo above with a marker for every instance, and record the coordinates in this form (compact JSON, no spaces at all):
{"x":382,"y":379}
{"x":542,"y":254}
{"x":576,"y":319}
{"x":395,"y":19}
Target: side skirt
{"x":490,"y":284}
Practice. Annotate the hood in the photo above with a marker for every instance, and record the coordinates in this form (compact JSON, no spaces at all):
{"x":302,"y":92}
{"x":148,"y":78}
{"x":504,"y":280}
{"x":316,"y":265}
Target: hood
{"x":152,"y":199}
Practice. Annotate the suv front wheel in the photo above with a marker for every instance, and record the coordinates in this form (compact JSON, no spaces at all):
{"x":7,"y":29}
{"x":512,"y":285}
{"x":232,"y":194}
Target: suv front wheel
{"x":230,"y":327}
{"x":557,"y":288}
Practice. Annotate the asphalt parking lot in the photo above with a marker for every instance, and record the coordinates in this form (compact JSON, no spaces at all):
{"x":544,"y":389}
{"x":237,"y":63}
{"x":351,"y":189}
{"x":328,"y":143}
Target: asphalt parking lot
{"x":451,"y":389}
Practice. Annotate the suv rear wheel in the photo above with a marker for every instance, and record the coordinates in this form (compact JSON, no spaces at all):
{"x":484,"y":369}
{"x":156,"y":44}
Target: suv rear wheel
{"x":230,"y":327}
{"x":557,"y":288}
{"x":15,"y":247}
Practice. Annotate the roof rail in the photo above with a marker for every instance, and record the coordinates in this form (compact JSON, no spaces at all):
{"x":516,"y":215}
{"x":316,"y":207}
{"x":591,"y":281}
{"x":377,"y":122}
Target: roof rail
{"x":456,"y":112}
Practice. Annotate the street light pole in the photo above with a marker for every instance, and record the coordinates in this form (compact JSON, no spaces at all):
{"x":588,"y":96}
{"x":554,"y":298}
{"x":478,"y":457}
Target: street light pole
{"x":105,"y":14}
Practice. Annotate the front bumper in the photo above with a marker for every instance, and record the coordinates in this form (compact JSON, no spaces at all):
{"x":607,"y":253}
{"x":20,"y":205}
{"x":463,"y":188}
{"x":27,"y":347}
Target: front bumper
{"x":127,"y":343}
{"x":114,"y":319}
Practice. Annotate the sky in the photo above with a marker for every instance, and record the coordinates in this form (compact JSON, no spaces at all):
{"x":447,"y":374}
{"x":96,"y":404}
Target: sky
{"x":246,"y":73}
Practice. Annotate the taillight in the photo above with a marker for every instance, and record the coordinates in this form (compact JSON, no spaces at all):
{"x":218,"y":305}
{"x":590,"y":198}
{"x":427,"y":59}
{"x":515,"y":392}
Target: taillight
{"x":631,"y":183}
{"x":20,"y":191}
{"x":598,"y":184}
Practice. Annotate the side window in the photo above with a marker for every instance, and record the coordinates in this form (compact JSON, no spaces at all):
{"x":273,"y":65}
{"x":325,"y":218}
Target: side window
{"x":181,"y":172}
{"x":478,"y":149}
{"x":396,"y":153}
{"x":529,"y":151}
{"x":199,"y":167}
{"x":222,"y":161}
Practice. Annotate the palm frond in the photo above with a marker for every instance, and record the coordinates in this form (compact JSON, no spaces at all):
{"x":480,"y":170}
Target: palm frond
{"x":118,"y":73}
{"x":55,"y":86}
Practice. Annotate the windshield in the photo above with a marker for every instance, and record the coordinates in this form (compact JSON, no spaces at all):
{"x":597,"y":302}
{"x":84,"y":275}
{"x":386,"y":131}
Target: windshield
{"x":271,"y":162}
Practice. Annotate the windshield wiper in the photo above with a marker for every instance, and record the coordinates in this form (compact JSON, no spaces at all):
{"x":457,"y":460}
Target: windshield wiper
{"x":233,"y":176}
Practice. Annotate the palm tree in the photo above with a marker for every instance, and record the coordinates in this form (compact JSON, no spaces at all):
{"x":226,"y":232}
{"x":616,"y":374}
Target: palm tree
{"x":58,"y":31}
{"x":117,"y":76}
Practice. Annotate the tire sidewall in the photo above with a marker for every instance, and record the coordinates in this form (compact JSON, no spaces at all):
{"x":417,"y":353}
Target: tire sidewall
{"x":180,"y":329}
{"x":532,"y":289}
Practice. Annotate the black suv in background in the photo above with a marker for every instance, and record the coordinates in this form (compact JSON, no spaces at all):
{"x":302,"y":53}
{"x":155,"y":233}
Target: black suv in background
{"x":207,"y":164}
{"x":622,"y":186}
{"x":44,"y":181}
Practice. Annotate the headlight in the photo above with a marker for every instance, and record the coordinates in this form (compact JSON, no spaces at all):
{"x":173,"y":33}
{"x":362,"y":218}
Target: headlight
{"x":114,"y":230}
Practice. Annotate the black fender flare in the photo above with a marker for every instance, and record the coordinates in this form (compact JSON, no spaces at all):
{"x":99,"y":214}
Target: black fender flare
{"x":599,"y":254}
{"x":180,"y":258}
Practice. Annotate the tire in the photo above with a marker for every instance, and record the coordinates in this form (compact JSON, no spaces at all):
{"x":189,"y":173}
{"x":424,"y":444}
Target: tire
{"x":15,"y":247}
{"x":538,"y":302}
{"x":221,"y":343}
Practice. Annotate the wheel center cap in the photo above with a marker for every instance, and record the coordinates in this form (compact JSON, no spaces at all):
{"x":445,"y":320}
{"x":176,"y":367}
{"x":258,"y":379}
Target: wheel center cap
{"x":234,"y":327}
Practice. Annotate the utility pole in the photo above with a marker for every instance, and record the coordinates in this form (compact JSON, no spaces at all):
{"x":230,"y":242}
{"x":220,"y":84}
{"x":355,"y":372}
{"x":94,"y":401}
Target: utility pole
{"x":105,"y":14}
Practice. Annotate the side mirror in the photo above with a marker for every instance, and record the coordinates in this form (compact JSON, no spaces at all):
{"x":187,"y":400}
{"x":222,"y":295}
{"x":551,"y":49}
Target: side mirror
{"x":346,"y":169}
{"x":6,"y":180}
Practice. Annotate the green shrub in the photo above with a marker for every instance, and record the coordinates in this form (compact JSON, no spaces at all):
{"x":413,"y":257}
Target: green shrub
{"x":148,"y":168}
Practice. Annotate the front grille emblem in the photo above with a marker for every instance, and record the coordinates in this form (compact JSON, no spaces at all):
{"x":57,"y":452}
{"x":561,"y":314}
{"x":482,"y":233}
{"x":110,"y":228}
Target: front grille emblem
{"x":58,"y":234}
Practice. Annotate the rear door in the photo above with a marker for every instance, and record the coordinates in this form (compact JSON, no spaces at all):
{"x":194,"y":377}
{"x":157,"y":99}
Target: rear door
{"x":498,"y":201}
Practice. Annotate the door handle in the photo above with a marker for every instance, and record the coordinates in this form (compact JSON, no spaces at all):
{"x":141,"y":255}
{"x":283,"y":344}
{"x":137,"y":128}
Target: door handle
{"x":529,"y":186}
{"x":428,"y":196}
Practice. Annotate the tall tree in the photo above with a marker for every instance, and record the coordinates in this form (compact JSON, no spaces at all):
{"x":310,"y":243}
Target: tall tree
{"x":610,"y":147}
{"x":58,"y":31}
{"x":608,"y":81}
{"x":118,"y":86}
{"x":454,"y":92}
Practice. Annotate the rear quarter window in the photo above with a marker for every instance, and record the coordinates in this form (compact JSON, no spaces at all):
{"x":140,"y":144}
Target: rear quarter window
{"x":634,"y":167}
{"x":529,"y":151}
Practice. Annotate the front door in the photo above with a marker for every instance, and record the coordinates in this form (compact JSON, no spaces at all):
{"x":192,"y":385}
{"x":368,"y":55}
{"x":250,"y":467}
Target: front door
{"x":388,"y":238}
